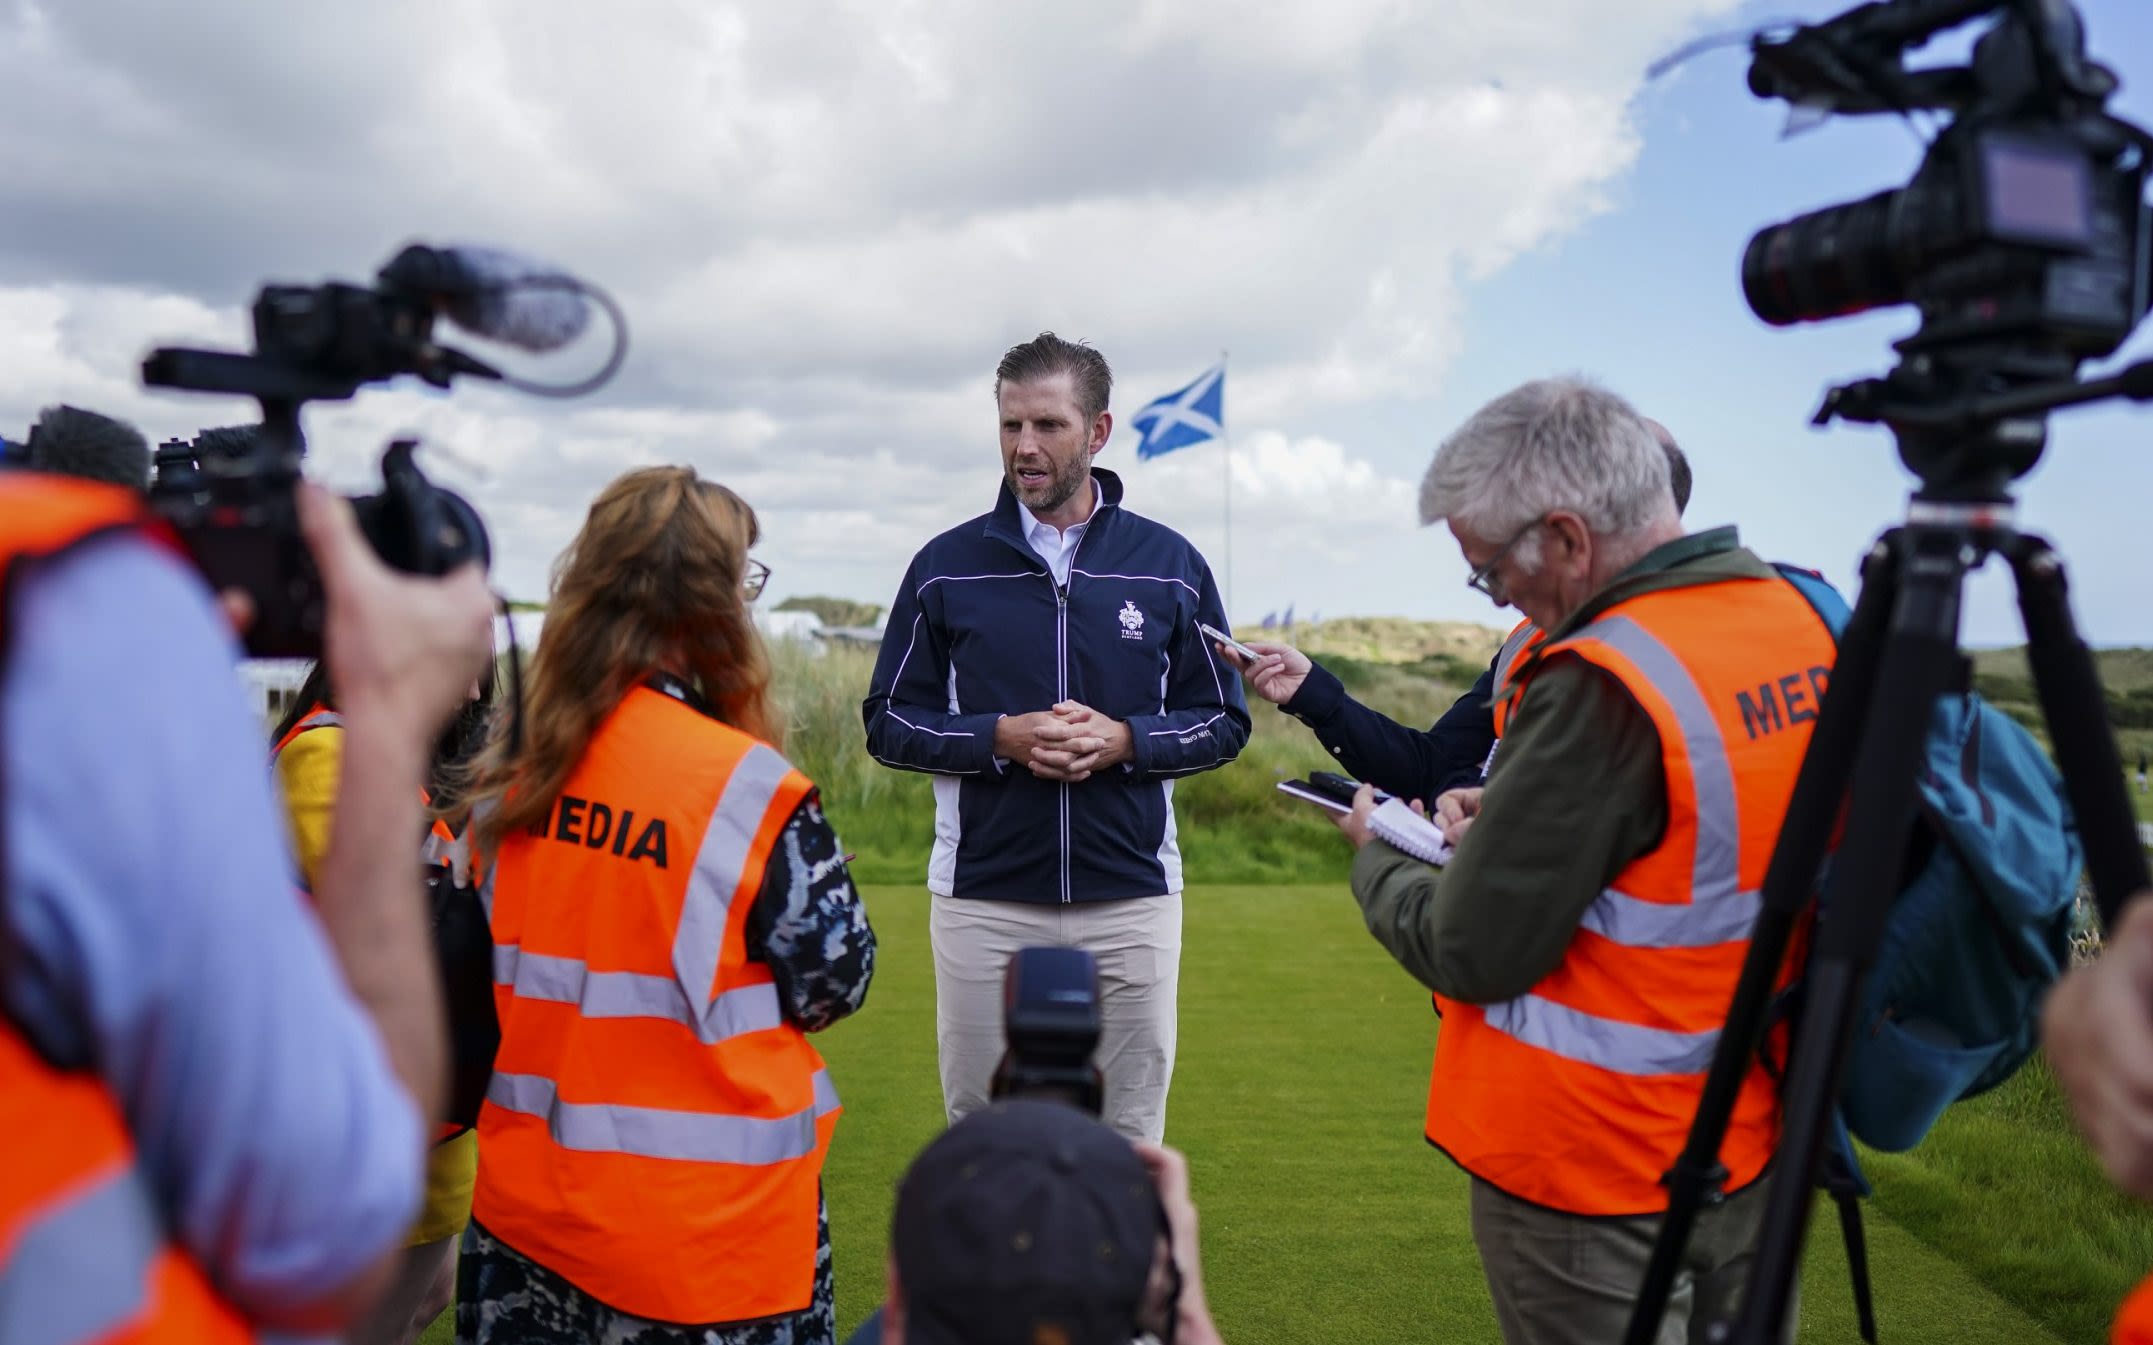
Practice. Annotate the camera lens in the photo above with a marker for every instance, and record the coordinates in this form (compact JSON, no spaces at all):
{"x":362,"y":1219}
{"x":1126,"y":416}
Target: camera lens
{"x":1831,"y":262}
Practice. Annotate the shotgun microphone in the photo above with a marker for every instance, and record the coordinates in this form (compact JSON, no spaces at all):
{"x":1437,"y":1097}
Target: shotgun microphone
{"x":494,"y":294}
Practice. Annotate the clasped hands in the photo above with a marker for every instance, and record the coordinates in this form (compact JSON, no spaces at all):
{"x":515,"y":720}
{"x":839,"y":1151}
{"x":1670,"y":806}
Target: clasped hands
{"x":1067,"y":743}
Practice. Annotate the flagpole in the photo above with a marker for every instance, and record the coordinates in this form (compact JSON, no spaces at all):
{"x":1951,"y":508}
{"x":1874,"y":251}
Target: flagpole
{"x":1226,"y":441}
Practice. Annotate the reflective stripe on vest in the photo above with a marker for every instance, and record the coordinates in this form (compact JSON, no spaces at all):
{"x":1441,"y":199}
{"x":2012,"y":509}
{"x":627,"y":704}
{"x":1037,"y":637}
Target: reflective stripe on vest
{"x":84,"y":1257}
{"x":83,"y":1270}
{"x":1523,"y":636}
{"x":320,"y":719}
{"x":632,"y":994}
{"x":654,"y":1132}
{"x":1625,"y":1048}
{"x":655,"y":1127}
{"x":723,"y":860}
{"x":1718,"y":910}
{"x":1519,"y":639}
{"x":1576,"y":1094}
{"x":446,"y":849}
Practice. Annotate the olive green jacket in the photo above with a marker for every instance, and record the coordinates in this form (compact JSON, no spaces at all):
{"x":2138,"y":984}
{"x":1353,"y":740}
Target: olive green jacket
{"x":1576,"y":793}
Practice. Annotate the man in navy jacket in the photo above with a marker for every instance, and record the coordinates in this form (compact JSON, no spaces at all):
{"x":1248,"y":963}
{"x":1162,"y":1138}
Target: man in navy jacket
{"x":1043,"y":663}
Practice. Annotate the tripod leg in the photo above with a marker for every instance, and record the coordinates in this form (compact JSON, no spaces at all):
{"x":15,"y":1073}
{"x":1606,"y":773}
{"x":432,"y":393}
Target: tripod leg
{"x":2069,"y":687}
{"x":1920,"y":651}
{"x":1812,"y":811}
{"x":1857,"y":1255}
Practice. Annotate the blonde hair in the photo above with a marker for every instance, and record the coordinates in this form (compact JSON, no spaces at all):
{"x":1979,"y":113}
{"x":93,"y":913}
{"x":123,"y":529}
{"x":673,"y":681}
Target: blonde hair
{"x":651,"y":583}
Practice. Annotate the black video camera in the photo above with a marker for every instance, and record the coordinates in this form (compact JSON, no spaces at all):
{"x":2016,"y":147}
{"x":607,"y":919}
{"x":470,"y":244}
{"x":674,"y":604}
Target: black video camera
{"x":230,"y":495}
{"x":1050,"y":1013}
{"x":2022,"y":238}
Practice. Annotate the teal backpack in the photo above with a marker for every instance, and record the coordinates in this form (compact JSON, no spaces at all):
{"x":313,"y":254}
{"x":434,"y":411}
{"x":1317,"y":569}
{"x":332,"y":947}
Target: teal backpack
{"x":1978,"y":933}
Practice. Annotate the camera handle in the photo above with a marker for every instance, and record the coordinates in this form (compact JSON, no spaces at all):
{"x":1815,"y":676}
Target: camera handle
{"x":1899,"y":650}
{"x":1871,"y":401}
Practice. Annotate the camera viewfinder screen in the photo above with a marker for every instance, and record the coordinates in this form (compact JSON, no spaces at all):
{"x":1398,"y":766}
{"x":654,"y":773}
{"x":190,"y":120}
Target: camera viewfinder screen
{"x":2036,"y":194}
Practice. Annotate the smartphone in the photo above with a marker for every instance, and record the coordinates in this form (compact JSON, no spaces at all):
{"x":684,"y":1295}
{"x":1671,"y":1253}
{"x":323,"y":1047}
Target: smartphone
{"x":1327,"y":789}
{"x":1247,"y":654}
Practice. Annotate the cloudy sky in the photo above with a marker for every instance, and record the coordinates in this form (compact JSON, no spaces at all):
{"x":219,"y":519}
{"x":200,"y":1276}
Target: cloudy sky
{"x":827,"y":219}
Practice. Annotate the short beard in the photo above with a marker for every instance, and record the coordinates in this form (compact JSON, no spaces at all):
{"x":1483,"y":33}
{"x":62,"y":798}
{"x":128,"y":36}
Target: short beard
{"x":1061,"y":487}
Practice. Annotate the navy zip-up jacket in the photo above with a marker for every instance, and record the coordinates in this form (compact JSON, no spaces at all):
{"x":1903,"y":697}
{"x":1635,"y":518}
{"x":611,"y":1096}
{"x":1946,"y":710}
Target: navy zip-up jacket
{"x":980,"y":629}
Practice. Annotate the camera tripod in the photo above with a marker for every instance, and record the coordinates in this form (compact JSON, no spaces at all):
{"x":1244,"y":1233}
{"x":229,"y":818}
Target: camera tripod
{"x":1898,"y":654}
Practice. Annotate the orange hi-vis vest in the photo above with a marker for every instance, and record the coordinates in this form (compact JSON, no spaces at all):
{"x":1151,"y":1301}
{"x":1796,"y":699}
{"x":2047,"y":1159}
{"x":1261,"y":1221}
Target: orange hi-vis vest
{"x":655,"y":1129}
{"x":85,"y":1256}
{"x":1578,"y":1094}
{"x":1523,"y":639}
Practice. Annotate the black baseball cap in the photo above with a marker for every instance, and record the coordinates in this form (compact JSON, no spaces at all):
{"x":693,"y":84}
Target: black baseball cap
{"x":1025,"y":1223}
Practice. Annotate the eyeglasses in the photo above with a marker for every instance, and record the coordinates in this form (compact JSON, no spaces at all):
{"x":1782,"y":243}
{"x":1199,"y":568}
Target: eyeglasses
{"x":1483,"y":576}
{"x":751,"y":583}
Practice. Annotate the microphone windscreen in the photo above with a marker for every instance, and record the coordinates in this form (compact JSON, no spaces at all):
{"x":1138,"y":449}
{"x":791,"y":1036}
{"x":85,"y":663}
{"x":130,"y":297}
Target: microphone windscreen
{"x":514,"y":300}
{"x":73,"y":442}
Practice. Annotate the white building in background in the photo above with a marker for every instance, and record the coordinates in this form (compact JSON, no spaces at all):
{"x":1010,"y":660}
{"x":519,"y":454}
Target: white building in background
{"x":775,"y":625}
{"x":273,"y":684}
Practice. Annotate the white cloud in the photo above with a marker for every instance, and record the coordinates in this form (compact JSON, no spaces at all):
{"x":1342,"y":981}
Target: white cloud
{"x":1310,"y":521}
{"x":827,"y":219}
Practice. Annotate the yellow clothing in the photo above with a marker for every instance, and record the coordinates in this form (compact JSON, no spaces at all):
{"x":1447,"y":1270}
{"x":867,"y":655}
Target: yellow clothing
{"x":451,"y":1173}
{"x":308,"y":771}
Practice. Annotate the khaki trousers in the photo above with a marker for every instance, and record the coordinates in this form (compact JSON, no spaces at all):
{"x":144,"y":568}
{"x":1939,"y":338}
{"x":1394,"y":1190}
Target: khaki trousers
{"x":1138,"y":947}
{"x":1565,"y":1279}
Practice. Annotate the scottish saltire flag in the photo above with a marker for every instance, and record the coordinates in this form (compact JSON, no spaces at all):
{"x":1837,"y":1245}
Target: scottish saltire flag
{"x":1188,"y":416}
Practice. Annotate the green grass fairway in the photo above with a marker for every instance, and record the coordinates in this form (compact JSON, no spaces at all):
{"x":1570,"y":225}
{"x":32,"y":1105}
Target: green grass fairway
{"x":1298,"y":1095}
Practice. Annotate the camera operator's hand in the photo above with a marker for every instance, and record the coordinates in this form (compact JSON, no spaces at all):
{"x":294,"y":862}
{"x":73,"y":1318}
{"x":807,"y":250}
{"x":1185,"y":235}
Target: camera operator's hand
{"x":1278,"y":674}
{"x":401,"y":651}
{"x":1170,"y":1174}
{"x":400,"y":648}
{"x":2097,"y":1030}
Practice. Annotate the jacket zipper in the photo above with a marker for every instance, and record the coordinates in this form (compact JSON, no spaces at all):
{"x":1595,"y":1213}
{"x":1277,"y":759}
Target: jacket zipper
{"x":1061,"y":689}
{"x":1061,"y":676}
{"x":1061,"y":684}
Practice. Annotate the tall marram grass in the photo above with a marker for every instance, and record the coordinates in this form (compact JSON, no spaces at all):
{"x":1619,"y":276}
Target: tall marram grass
{"x":1234,"y":825}
{"x":886,"y":817}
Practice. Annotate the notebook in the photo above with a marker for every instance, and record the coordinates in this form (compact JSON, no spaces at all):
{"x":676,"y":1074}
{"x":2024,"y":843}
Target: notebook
{"x":1410,"y":832}
{"x":1392,"y":819}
